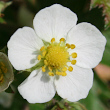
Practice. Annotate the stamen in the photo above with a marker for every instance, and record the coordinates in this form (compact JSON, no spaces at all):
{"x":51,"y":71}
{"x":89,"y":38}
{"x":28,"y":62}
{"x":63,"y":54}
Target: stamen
{"x":52,"y":40}
{"x":68,"y":45}
{"x":55,"y":57}
{"x":49,"y":47}
{"x":4,"y":69}
{"x":73,"y":62}
{"x":50,"y":68}
{"x":45,"y":62}
{"x":39,"y":57}
{"x":51,"y":73}
{"x":64,"y":69}
{"x":43,"y":68}
{"x":64,"y":73}
{"x":42,"y":48}
{"x":74,"y":55}
{"x":1,"y":78}
{"x":58,"y":73}
{"x":62,"y":39}
{"x":72,"y":46}
{"x":44,"y":53}
{"x":2,"y":64}
{"x":70,"y":68}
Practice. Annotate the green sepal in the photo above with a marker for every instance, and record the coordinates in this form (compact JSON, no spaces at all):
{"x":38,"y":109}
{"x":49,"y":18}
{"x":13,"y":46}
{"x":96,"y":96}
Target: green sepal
{"x":37,"y":66}
{"x":46,"y":43}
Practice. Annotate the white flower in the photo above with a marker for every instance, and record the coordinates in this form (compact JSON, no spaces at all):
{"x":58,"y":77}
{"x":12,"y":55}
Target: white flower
{"x":66,"y":52}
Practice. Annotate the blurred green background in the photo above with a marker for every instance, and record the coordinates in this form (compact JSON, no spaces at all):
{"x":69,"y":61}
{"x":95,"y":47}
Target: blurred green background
{"x":18,"y":13}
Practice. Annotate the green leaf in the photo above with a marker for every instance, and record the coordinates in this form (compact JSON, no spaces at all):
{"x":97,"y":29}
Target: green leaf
{"x":25,"y":17}
{"x":106,"y":9}
{"x":36,"y":106}
{"x":106,"y":55}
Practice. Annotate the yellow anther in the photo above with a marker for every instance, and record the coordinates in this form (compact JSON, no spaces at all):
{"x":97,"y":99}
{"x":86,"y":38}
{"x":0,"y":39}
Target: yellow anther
{"x":44,"y":53}
{"x":1,"y":78}
{"x":64,"y":73}
{"x":64,"y":69}
{"x":74,"y":55}
{"x":50,"y":68}
{"x":39,"y":57}
{"x":73,"y":62}
{"x":70,"y":68}
{"x":4,"y":69}
{"x":58,"y":73}
{"x":42,"y":48}
{"x":43,"y":69}
{"x":62,"y":39}
{"x":51,"y":73}
{"x":2,"y":64}
{"x":72,"y":46}
{"x":45,"y":62}
{"x":49,"y":47}
{"x":68,"y":45}
{"x":52,"y":40}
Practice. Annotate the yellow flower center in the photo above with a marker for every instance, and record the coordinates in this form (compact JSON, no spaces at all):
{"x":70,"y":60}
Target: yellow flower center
{"x":55,"y":57}
{"x":3,"y":70}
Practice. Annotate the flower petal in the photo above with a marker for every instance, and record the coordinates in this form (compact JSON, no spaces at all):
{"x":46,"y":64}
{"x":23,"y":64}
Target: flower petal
{"x":90,"y":44}
{"x":37,"y":89}
{"x":7,"y":72}
{"x":75,"y":85}
{"x":23,"y":47}
{"x":54,"y":21}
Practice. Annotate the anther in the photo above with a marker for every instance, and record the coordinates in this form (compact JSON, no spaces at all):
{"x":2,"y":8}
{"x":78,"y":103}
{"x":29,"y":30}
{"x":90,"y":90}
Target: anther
{"x":44,"y":53}
{"x":73,"y":62}
{"x":51,"y":73}
{"x":1,"y":78}
{"x":74,"y":55}
{"x":43,"y":69}
{"x":72,"y":46}
{"x":45,"y":62}
{"x":4,"y":69}
{"x":64,"y":73}
{"x":42,"y":48}
{"x":58,"y":73}
{"x":50,"y":68}
{"x":68,"y":45}
{"x":39,"y":57}
{"x":64,"y":69}
{"x":70,"y":68}
{"x":62,"y":39}
{"x":49,"y":47}
{"x":52,"y":40}
{"x":2,"y":64}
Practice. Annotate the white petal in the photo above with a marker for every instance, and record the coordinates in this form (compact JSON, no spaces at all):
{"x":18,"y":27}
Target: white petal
{"x":90,"y":44}
{"x":54,"y":21}
{"x":23,"y":47}
{"x":75,"y":85}
{"x":37,"y":89}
